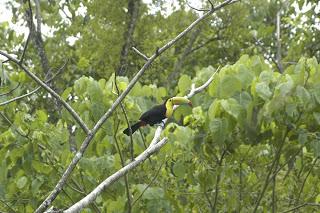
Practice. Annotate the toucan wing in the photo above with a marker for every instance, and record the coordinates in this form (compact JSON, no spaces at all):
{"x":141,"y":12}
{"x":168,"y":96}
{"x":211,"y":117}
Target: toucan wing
{"x":155,"y":115}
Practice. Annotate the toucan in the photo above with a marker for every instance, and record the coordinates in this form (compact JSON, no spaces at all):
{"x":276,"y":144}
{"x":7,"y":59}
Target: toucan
{"x":157,"y":113}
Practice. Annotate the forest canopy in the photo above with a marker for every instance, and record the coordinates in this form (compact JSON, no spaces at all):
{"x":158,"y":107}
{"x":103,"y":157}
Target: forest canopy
{"x":75,"y":74}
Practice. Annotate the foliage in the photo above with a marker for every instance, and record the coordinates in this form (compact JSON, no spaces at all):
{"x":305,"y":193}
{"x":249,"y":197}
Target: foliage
{"x":253,"y":133}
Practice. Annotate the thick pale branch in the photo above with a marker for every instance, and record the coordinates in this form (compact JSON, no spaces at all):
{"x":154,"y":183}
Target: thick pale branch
{"x":49,"y":90}
{"x":111,"y":179}
{"x":98,"y":125}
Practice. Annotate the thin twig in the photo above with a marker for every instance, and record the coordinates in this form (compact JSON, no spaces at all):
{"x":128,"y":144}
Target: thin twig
{"x":7,"y":205}
{"x":151,"y":182}
{"x":35,"y":90}
{"x":51,"y":91}
{"x":200,"y":10}
{"x":125,"y":116}
{"x":209,"y":201}
{"x":274,"y":165}
{"x":25,"y":48}
{"x":146,"y":58}
{"x":123,"y":165}
{"x":218,"y":181}
{"x":13,"y":126}
{"x":300,"y":206}
{"x":305,"y":180}
{"x":7,"y":93}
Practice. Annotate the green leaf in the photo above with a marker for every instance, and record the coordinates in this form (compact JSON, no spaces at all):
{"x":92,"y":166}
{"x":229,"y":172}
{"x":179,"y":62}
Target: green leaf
{"x":94,"y":92}
{"x":245,"y":99}
{"x":303,"y":95}
{"x":316,"y":148}
{"x":66,"y":93}
{"x":41,"y":167}
{"x":266,"y":76}
{"x":21,"y":182}
{"x":283,"y":89}
{"x":232,"y":107}
{"x":83,"y":63}
{"x":244,"y":75}
{"x":316,"y":116}
{"x":214,"y":109}
{"x":184,"y":83}
{"x":219,"y":129}
{"x":263,"y":90}
{"x":316,"y":93}
{"x":179,"y":169}
{"x":228,"y":86}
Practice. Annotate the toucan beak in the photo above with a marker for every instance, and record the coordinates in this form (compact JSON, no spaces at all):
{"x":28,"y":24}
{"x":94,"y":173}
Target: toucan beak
{"x":190,"y":104}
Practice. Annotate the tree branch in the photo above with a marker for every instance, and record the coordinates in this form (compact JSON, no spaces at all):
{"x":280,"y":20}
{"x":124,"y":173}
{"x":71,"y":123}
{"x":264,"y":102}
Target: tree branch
{"x":125,"y":116}
{"x":35,"y":34}
{"x":151,"y":182}
{"x":305,"y":180}
{"x":123,"y":165}
{"x":133,"y":9}
{"x":12,"y":90}
{"x":51,"y":91}
{"x":146,"y":58}
{"x":92,"y":133}
{"x":111,"y":179}
{"x":35,"y":90}
{"x":274,"y":165}
{"x":302,"y":205}
{"x":279,"y":42}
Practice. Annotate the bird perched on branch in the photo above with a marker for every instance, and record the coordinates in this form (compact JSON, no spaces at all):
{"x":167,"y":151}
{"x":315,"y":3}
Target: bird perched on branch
{"x":157,"y":113}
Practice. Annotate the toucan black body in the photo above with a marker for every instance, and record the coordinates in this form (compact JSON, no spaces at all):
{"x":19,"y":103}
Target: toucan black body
{"x":157,"y":113}
{"x":153,"y":116}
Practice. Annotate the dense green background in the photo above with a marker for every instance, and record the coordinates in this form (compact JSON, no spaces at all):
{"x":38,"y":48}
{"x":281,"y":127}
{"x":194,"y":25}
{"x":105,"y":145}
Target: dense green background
{"x":253,"y":134}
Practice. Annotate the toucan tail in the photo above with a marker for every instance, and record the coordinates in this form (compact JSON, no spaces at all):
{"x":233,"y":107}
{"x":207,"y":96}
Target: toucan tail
{"x":134,"y":128}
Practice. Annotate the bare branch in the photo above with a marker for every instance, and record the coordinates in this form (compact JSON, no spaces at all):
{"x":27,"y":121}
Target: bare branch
{"x":123,"y":165}
{"x":7,"y":205}
{"x":126,"y":117}
{"x":98,"y":125}
{"x":305,"y":180}
{"x":141,"y":54}
{"x":111,"y":179}
{"x":200,"y":10}
{"x":133,"y":9}
{"x":25,"y":49}
{"x":51,"y":91}
{"x":275,"y":164}
{"x":203,"y":44}
{"x":302,"y":205}
{"x":279,"y":42}
{"x":151,"y":182}
{"x":38,"y":15}
{"x":37,"y":37}
{"x":7,"y":93}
